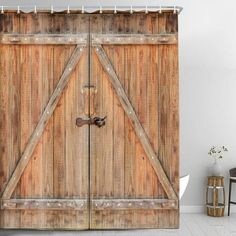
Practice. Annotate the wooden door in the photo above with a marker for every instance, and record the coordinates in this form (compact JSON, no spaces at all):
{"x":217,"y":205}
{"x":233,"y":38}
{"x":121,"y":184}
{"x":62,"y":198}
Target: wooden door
{"x":43,"y":156}
{"x":55,"y":68}
{"x":134,"y":158}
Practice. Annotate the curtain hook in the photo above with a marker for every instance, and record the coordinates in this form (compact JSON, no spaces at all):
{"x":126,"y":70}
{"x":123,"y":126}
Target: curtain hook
{"x":146,"y":10}
{"x":115,"y":11}
{"x":82,"y":9}
{"x":131,"y":9}
{"x":68,"y":9}
{"x":2,"y":11}
{"x":160,"y":10}
{"x":52,"y":9}
{"x":35,"y":10}
{"x":100,"y":10}
{"x":18,"y":10}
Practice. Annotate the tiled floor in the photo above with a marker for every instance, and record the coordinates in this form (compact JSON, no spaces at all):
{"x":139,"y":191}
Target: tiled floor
{"x":191,"y":225}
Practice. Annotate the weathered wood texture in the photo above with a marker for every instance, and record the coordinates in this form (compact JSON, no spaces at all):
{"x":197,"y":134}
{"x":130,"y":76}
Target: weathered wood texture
{"x":57,"y":167}
{"x":114,"y":179}
{"x":43,"y":39}
{"x":43,"y":120}
{"x":140,"y":39}
{"x":148,"y":74}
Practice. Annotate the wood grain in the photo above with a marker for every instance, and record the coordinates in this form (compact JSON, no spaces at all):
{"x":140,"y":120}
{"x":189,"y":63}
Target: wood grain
{"x":42,"y":123}
{"x":106,"y":169}
{"x":127,"y":106}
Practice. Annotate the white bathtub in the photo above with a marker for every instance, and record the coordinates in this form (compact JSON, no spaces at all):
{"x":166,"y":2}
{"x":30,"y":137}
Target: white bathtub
{"x":183,"y":183}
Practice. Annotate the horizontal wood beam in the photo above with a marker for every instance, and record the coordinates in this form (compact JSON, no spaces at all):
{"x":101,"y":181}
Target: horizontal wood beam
{"x":139,"y":130}
{"x":124,"y":204}
{"x":82,"y":204}
{"x":82,"y":39}
{"x":47,"y":113}
{"x":134,"y":39}
{"x":79,"y":39}
{"x":50,"y":204}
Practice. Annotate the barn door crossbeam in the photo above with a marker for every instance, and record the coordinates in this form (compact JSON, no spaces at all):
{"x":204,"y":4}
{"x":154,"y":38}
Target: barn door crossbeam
{"x":51,"y":204}
{"x":82,"y":204}
{"x":120,"y":39}
{"x":56,"y":39}
{"x":47,"y":113}
{"x":139,"y":130}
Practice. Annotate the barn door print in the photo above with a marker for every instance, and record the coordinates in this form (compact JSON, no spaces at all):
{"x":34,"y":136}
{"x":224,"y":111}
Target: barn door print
{"x":44,"y":157}
{"x":134,"y":157}
{"x":117,"y":71}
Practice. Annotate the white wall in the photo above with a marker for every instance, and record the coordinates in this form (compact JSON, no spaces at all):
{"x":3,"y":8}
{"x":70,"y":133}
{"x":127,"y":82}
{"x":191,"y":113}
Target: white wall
{"x":207,"y":38}
{"x":207,"y":90}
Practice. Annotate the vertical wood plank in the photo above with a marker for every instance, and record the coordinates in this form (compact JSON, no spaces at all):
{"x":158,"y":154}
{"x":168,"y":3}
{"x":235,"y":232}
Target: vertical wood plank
{"x":14,"y":100}
{"x":26,"y":120}
{"x":5,"y":146}
{"x":118,"y":133}
{"x":59,"y":134}
{"x":70,"y":142}
{"x":4,"y":116}
{"x":36,"y":108}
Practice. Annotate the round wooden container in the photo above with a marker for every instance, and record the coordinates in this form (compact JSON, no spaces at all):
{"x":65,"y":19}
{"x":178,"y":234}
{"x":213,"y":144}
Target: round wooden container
{"x":215,"y":196}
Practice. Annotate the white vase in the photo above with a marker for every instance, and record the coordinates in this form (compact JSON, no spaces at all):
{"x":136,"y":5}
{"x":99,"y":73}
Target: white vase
{"x":216,"y":169}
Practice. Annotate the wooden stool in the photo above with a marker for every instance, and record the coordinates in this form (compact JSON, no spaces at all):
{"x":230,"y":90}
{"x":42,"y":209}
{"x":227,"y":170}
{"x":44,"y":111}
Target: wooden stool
{"x":216,"y":201}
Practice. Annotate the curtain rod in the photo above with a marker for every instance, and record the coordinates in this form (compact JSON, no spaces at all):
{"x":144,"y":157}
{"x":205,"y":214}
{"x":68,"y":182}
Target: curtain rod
{"x":91,"y":9}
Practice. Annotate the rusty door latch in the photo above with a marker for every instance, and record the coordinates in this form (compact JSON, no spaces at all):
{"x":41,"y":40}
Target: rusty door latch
{"x":98,"y":121}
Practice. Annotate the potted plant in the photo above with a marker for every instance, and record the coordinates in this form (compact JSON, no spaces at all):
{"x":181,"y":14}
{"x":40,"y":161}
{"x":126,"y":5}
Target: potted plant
{"x":217,"y":153}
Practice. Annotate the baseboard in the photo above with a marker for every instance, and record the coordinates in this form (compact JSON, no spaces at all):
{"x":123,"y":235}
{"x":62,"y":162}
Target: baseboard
{"x":200,"y":209}
{"x":192,"y":209}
